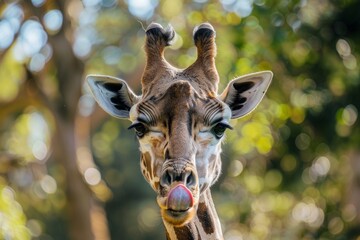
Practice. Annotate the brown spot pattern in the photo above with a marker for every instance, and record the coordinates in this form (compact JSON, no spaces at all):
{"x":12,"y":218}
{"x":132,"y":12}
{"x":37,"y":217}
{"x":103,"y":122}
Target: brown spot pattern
{"x":205,"y":218}
{"x":184,"y":233}
{"x":146,"y":158}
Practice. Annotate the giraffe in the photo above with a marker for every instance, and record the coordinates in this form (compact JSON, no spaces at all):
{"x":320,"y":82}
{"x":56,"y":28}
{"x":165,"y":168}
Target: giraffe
{"x":180,"y":121}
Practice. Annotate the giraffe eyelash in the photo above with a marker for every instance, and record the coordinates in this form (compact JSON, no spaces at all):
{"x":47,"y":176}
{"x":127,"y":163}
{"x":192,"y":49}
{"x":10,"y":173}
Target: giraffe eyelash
{"x":219,"y":129}
{"x":140,"y":129}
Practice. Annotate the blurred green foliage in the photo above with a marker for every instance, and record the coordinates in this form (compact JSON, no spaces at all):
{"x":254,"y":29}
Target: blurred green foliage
{"x":289,"y":168}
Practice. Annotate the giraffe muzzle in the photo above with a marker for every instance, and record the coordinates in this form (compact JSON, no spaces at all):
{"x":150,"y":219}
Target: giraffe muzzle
{"x":177,"y":171}
{"x":171,"y":176}
{"x":179,"y":191}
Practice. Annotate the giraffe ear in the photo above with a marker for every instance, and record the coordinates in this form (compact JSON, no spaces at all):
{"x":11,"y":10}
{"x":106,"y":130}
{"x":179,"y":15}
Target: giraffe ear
{"x":243,"y":94}
{"x":112,"y":94}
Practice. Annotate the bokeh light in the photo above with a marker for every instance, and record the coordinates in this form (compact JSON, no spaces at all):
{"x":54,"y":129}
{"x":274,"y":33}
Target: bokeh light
{"x":7,"y":34}
{"x":53,"y":20}
{"x":38,"y":3}
{"x":142,"y":9}
{"x":32,"y":39}
{"x":92,"y":176}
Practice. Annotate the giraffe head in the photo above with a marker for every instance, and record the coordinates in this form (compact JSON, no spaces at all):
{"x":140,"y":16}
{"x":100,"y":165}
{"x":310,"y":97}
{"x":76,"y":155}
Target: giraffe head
{"x":180,"y":119}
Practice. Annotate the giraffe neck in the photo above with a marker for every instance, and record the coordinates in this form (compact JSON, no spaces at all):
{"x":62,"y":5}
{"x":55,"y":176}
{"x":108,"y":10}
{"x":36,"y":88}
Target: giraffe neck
{"x":204,"y":226}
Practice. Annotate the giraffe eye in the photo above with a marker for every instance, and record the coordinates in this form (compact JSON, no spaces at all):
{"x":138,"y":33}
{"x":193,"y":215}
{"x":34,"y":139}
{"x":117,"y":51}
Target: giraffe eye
{"x":219,"y":129}
{"x":140,"y":129}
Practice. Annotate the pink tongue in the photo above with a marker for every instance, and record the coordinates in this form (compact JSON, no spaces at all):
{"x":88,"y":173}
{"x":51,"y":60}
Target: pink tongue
{"x":180,"y":198}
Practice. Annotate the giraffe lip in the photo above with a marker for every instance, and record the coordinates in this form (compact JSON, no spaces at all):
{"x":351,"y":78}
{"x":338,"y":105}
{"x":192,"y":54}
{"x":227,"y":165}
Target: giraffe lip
{"x":177,"y":212}
{"x":178,"y":218}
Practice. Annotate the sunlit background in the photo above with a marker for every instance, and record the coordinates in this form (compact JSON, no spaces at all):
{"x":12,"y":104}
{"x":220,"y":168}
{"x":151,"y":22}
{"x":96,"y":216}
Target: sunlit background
{"x":291,"y":168}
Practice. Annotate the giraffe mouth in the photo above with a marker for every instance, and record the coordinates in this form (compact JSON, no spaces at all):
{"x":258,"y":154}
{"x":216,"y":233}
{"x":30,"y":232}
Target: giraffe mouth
{"x":176,"y":213}
{"x":179,"y":206}
{"x":176,"y":217}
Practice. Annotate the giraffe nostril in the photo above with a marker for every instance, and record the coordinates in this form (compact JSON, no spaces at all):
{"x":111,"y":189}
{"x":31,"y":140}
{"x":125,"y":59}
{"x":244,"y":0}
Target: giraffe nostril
{"x":190,"y":180}
{"x":166,"y":179}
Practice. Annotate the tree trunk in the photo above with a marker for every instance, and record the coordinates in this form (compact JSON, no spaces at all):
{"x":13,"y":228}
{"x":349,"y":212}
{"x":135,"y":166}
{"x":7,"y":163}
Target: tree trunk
{"x":78,"y":195}
{"x":353,"y":194}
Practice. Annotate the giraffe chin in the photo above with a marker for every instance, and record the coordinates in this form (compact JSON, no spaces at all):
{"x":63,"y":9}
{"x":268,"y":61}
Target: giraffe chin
{"x":178,"y":218}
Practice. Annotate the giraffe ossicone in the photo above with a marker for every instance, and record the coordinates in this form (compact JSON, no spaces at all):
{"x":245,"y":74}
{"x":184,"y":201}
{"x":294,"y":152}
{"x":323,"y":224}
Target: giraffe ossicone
{"x":180,"y":121}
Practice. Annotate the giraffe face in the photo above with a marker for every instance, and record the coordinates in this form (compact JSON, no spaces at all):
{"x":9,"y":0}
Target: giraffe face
{"x":180,"y":133}
{"x":180,"y":119}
